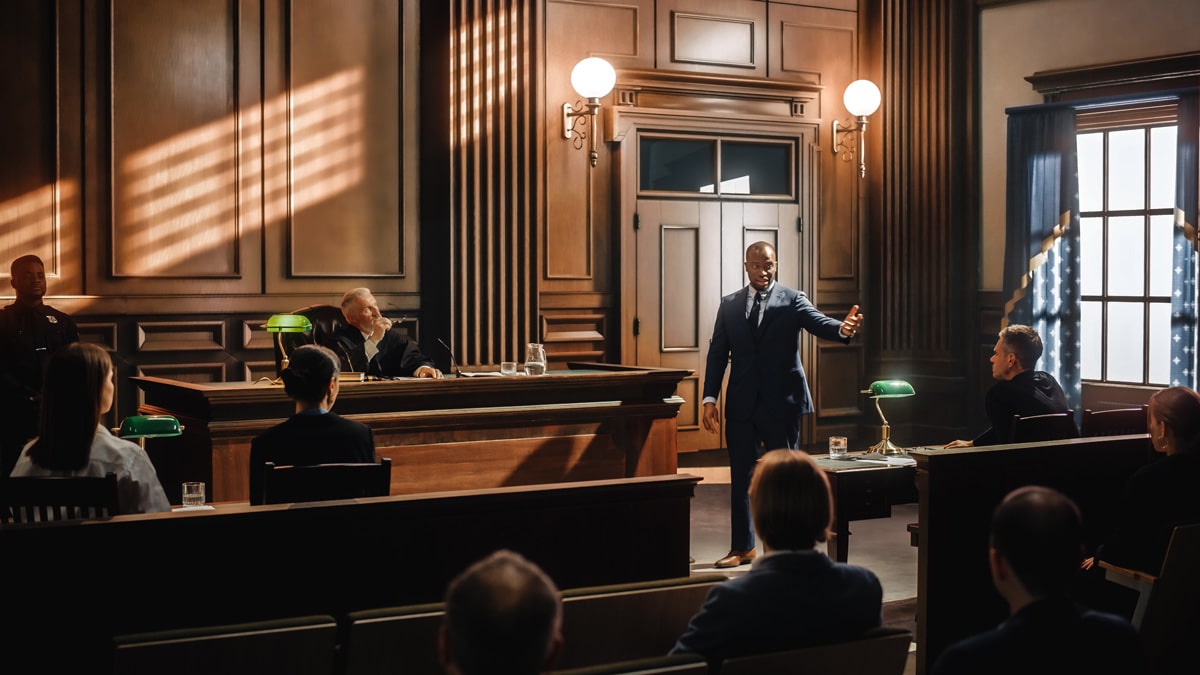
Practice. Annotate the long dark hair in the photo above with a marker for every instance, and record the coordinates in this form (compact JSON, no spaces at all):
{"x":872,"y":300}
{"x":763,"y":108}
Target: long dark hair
{"x":70,"y":410}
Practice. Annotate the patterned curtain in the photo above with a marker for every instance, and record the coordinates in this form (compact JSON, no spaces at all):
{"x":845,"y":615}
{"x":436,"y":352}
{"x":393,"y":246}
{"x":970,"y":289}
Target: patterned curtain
{"x":1183,"y":291}
{"x":1041,"y":264}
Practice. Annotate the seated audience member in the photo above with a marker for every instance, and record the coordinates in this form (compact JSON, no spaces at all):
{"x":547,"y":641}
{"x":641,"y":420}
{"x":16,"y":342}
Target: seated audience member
{"x":30,"y":331}
{"x":370,"y":345}
{"x":794,"y":595}
{"x":1162,"y":494}
{"x":1021,"y":390}
{"x":314,"y":435}
{"x":77,"y":391}
{"x":1034,"y":555}
{"x":503,"y":615}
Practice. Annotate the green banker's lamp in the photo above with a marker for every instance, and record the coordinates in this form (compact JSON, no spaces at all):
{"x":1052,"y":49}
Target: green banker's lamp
{"x":149,"y":426}
{"x":286,"y":323}
{"x":887,"y":389}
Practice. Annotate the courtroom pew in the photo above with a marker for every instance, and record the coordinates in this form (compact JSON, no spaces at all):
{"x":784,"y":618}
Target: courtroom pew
{"x":960,"y":487}
{"x":614,"y":622}
{"x":82,"y":583}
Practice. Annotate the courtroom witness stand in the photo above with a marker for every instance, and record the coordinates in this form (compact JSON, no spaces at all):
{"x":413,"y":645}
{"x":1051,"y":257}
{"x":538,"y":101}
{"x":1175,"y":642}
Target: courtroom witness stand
{"x":30,"y":332}
{"x":313,"y":435}
{"x":1034,"y":554}
{"x":755,"y":336}
{"x":794,"y":595}
{"x":1155,"y":499}
{"x":1021,"y":390}
{"x":370,"y":344}
{"x":503,"y":616}
{"x":71,"y":441}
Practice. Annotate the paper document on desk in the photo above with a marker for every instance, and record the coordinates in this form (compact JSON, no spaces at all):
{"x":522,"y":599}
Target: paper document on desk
{"x":885,"y":460}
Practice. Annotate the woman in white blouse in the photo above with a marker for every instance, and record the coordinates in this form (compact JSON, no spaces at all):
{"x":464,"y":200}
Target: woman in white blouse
{"x":77,"y":390}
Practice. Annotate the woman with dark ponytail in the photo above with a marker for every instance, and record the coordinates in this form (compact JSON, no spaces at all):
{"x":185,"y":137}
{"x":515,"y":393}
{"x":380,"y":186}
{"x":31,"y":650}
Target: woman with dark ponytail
{"x":313,"y":435}
{"x":77,"y":389}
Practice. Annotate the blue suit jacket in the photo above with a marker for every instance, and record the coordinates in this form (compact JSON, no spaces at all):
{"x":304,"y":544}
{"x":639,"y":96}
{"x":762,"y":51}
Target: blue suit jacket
{"x":765,"y":371}
{"x":788,"y":599}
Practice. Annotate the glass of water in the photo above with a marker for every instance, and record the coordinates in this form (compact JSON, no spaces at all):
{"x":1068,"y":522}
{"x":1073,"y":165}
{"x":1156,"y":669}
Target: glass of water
{"x":837,"y":447}
{"x":535,"y":359}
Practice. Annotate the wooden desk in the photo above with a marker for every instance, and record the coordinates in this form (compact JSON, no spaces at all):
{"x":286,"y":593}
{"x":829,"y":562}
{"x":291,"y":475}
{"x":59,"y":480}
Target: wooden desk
{"x":82,"y":582}
{"x":862,"y":491}
{"x":592,"y":422}
{"x":959,"y":489}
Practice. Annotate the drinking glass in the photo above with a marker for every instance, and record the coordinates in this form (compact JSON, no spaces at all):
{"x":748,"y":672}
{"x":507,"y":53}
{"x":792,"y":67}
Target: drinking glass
{"x":837,"y":447}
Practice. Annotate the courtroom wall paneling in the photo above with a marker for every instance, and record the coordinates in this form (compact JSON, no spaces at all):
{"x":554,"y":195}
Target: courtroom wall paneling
{"x":40,"y":172}
{"x":177,"y":209}
{"x":713,"y":36}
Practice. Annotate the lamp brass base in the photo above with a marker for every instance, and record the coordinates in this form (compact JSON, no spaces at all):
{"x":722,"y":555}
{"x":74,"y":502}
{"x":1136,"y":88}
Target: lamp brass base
{"x":887,"y":447}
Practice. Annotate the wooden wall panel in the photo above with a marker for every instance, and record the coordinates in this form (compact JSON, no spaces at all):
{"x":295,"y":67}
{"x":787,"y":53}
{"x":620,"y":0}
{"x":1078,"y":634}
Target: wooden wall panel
{"x":496,"y":178}
{"x":344,"y":124}
{"x":714,"y":36}
{"x":679,"y":273}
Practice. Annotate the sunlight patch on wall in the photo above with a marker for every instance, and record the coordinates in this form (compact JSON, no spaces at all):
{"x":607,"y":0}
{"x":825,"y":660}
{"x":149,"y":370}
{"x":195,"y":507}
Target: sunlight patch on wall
{"x":30,"y":223}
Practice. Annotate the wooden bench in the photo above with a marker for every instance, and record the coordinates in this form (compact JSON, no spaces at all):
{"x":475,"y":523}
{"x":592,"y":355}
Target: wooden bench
{"x":882,"y":651}
{"x":600,"y":624}
{"x":242,"y":563}
{"x":294,"y":646}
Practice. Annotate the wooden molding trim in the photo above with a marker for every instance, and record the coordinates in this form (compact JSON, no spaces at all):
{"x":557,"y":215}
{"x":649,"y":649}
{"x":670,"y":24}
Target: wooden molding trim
{"x":1171,"y":71}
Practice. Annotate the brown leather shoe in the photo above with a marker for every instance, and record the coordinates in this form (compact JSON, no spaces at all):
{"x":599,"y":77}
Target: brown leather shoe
{"x":736,"y":558}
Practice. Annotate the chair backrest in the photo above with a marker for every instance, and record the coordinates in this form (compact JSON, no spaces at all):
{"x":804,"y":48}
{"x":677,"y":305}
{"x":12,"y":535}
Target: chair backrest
{"x":320,"y":482}
{"x":675,"y":664}
{"x":882,"y":651}
{"x":653,"y":616}
{"x":1172,"y":617}
{"x":30,"y":499}
{"x":1049,"y":427}
{"x":1116,"y":422}
{"x":305,"y":645}
{"x":326,"y":321}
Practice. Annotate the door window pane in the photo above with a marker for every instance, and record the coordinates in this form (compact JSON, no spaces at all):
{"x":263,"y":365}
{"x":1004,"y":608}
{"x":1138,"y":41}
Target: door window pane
{"x":676,"y":164}
{"x":756,"y":168}
{"x":1127,"y":169}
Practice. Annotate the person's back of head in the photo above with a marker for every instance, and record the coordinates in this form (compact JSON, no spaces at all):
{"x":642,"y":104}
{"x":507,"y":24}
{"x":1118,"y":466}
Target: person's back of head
{"x":1024,"y":342}
{"x":310,"y":370}
{"x":1178,"y":408}
{"x":70,"y":408}
{"x":1039,"y":533}
{"x":790,"y":501}
{"x":503,"y":615}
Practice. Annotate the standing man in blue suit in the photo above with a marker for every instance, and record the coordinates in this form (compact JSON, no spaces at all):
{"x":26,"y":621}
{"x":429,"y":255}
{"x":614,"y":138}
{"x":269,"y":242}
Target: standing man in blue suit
{"x":757,"y":333}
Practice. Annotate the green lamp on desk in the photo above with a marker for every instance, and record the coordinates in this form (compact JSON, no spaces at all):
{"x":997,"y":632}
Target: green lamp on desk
{"x":887,"y":389}
{"x":286,"y":323}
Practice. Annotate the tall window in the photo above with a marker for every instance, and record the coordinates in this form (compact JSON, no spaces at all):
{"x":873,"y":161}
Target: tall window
{"x":1126,"y":201}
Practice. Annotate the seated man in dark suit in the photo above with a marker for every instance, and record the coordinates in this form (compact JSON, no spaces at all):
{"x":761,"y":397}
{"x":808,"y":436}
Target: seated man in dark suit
{"x":1021,"y":390}
{"x":370,"y":345}
{"x":503,"y":615}
{"x":1035,"y":553}
{"x":794,"y":595}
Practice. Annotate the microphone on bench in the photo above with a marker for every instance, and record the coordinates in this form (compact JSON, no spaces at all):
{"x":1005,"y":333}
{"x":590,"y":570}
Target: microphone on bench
{"x":453,"y":362}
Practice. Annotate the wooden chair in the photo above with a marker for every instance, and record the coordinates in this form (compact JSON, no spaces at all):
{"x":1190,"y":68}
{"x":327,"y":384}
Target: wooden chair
{"x":42,"y":498}
{"x":304,"y":645}
{"x":1049,"y":427}
{"x":320,"y":482}
{"x":881,"y":651}
{"x":1168,"y":609}
{"x":1117,"y":422}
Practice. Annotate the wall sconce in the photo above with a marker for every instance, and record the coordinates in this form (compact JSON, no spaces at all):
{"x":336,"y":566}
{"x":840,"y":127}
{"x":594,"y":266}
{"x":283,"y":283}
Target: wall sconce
{"x":862,"y":100}
{"x":887,"y":389}
{"x":592,"y":79}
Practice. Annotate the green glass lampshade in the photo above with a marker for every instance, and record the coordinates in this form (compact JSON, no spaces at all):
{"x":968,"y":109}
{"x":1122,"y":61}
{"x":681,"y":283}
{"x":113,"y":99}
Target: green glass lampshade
{"x":288,"y":323}
{"x":149,"y":426}
{"x":890,"y":389}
